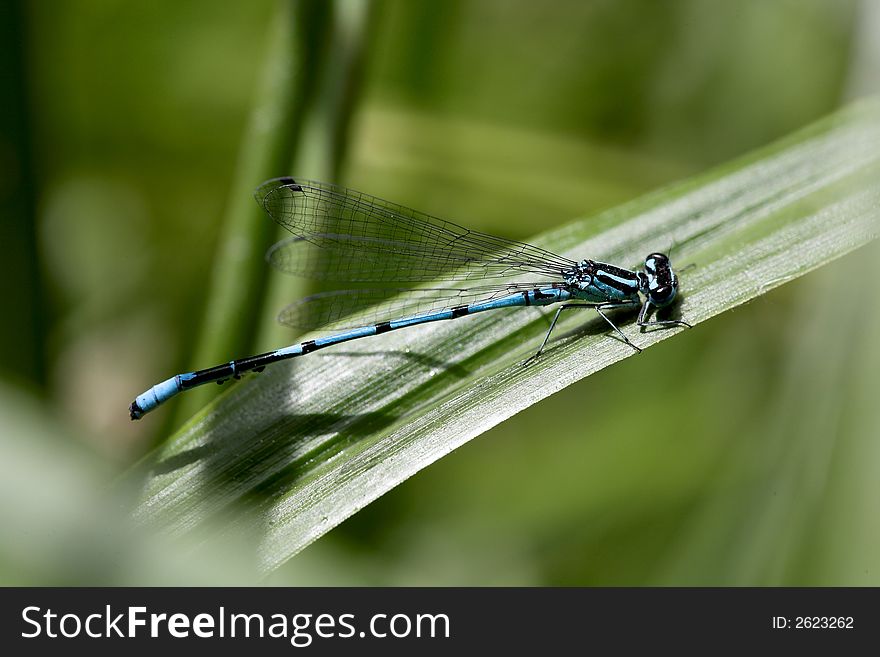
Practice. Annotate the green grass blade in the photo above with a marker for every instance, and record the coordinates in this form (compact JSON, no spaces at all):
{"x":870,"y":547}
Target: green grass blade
{"x":323,"y":151}
{"x":272,"y":136}
{"x":293,"y":452}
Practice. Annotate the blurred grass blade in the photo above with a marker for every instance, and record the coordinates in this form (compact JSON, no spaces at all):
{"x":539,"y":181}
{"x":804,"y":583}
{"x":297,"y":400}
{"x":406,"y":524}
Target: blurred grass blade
{"x":323,"y":146}
{"x":21,"y":350}
{"x":293,"y":452}
{"x":293,"y":61}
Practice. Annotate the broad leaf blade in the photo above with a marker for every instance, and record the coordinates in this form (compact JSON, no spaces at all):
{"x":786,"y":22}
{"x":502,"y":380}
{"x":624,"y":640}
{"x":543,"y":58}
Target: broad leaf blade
{"x":298,"y":449}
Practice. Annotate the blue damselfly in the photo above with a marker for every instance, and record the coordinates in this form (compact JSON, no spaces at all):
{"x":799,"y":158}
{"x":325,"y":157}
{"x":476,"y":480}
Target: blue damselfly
{"x":344,"y":235}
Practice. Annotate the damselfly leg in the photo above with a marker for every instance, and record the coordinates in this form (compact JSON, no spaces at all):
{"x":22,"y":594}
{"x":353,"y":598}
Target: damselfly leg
{"x":643,"y":323}
{"x":599,"y":308}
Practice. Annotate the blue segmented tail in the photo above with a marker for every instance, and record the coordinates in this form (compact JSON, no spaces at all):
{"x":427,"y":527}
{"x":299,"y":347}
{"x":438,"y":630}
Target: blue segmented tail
{"x":162,"y":392}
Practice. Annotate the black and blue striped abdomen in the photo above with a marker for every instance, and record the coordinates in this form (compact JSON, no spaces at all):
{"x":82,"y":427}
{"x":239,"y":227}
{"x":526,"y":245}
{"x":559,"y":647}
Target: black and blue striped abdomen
{"x":161,"y":392}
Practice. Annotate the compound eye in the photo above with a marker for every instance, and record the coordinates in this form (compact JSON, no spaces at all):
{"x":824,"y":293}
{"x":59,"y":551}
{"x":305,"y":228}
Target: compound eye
{"x":655,"y":263}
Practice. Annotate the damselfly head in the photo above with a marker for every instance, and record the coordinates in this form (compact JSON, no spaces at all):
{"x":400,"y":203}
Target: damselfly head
{"x":661,"y":281}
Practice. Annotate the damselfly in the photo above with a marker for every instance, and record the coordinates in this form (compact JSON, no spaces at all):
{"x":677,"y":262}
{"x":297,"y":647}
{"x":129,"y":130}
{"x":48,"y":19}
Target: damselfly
{"x":340,"y":234}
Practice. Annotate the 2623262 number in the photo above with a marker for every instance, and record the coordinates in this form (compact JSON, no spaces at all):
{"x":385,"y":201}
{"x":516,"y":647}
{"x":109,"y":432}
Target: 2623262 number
{"x":823,"y":622}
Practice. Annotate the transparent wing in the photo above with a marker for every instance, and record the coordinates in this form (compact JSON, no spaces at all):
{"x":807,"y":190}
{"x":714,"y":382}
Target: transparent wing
{"x":341,"y":234}
{"x":341,"y":309}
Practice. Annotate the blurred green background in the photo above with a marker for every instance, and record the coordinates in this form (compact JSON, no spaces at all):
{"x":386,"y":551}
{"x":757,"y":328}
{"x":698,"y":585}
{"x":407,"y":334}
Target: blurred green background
{"x":742,"y":453}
